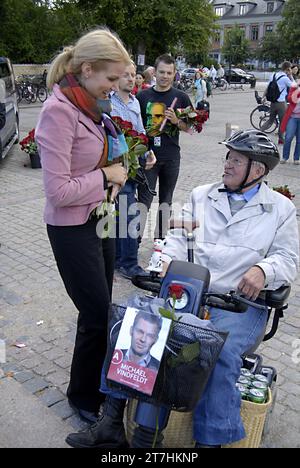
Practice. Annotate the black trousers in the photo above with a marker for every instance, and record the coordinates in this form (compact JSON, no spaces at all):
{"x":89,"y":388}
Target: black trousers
{"x":86,"y":265}
{"x":167,"y":173}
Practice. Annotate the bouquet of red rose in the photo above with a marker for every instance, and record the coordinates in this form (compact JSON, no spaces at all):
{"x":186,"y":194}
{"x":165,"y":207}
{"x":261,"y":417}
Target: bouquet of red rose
{"x":28,"y":144}
{"x":137,"y":146}
{"x":284,"y":190}
{"x":192,"y":117}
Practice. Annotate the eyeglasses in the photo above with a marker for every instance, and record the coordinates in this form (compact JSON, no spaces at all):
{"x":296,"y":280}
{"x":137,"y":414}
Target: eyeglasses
{"x":234,"y":161}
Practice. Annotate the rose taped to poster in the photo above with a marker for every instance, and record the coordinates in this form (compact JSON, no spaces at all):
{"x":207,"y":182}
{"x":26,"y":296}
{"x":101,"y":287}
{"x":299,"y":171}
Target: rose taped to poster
{"x":139,"y":348}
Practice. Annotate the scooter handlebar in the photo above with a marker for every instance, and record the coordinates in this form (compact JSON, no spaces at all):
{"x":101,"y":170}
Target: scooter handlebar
{"x":148,"y":283}
{"x":230,"y":301}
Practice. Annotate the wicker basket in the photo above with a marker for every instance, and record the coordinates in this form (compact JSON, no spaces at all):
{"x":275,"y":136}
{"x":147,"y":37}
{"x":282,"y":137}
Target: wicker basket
{"x":253,"y":416}
{"x":179,"y":432}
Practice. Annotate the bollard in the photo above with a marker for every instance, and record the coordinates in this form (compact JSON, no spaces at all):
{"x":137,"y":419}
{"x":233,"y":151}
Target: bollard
{"x":2,"y":352}
{"x":231,"y":129}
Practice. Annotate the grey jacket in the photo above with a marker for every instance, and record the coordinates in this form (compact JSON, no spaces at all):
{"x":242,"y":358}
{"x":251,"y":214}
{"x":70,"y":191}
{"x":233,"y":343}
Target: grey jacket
{"x":264,"y":233}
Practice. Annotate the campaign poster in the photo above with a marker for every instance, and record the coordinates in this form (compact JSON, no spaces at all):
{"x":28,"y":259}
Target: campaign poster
{"x":139,"y":349}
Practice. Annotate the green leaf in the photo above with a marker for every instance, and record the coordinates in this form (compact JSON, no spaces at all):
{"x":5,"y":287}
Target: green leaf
{"x":168,"y":314}
{"x":188,"y":353}
{"x":140,"y":149}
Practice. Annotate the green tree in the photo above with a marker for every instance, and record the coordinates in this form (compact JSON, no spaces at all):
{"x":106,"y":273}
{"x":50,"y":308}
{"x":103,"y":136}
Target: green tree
{"x":236,"y":47}
{"x":34,"y":30}
{"x":156,"y":26}
{"x":272,"y":48}
{"x":289,"y":29}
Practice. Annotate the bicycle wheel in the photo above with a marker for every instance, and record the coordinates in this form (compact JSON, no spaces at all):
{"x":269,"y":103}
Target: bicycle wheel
{"x":272,"y":128}
{"x":42,"y":94}
{"x":259,"y":116}
{"x":28,"y":95}
{"x":223,"y":85}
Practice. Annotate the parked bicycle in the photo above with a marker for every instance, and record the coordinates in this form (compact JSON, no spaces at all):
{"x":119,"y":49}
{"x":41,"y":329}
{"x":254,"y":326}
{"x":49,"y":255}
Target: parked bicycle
{"x":261,"y":114}
{"x":220,"y":83}
{"x":30,"y":88}
{"x":187,"y":84}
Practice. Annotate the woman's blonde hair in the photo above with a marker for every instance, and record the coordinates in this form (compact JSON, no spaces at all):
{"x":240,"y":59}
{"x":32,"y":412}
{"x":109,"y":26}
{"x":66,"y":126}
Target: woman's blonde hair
{"x":96,"y":47}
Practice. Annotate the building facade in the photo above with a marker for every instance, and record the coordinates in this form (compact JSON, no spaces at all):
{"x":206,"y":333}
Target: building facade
{"x":256,"y":17}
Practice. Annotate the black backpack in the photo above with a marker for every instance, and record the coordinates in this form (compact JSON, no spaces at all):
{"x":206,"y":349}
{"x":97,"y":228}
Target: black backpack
{"x":273,"y":91}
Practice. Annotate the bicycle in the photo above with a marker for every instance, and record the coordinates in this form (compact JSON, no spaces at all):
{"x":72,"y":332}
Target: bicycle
{"x":220,"y":83}
{"x":187,"y":84}
{"x":261,"y":114}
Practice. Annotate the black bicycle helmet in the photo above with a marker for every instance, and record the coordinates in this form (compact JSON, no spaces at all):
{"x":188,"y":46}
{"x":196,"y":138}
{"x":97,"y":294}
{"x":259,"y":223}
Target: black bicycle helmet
{"x":256,"y":145}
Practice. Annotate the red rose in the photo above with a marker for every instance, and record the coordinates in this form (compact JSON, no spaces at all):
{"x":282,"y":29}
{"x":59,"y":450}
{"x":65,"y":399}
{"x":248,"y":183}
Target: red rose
{"x":126,"y":125}
{"x":176,"y":290}
{"x":118,"y":120}
{"x":143,"y":138}
{"x":132,"y":133}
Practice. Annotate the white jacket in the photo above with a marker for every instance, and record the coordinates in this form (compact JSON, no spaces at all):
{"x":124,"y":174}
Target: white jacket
{"x":264,"y":233}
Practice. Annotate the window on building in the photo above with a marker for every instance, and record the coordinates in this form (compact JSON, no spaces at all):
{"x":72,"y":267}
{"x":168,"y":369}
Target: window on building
{"x":270,"y":7}
{"x":269,"y":28}
{"x":254,"y":33}
{"x":219,"y":11}
{"x":243,"y":9}
{"x":218,"y":37}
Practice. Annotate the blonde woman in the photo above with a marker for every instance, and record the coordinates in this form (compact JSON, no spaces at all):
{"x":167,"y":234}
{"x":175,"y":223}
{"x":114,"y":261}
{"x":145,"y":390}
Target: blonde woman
{"x":201,"y":89}
{"x":72,"y":135}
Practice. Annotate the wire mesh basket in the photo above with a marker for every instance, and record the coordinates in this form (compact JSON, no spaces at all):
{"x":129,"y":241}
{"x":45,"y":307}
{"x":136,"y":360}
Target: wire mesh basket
{"x":189,"y":357}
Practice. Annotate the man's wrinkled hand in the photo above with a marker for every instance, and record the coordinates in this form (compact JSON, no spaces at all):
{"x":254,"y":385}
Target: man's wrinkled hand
{"x":252,"y":283}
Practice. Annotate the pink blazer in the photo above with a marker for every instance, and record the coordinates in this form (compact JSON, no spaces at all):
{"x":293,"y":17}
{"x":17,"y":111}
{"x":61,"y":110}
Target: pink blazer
{"x":70,"y":147}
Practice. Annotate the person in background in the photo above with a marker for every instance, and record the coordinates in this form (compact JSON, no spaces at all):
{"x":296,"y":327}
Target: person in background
{"x":155,"y":106}
{"x":127,"y":107}
{"x":201,"y":89}
{"x":291,"y":124}
{"x":220,"y":72}
{"x":72,"y":139}
{"x":212,"y":73}
{"x":139,"y":83}
{"x":295,"y":72}
{"x":149,"y":74}
{"x":280,"y":106}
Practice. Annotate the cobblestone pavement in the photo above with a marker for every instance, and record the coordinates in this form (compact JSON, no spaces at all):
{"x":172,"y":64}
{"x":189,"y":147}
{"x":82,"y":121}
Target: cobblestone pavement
{"x":35,"y":309}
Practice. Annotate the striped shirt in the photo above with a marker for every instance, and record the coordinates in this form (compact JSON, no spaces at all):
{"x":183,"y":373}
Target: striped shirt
{"x":130,"y":111}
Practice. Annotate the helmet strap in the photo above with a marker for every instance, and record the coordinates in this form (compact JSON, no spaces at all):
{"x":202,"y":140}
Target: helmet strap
{"x":243,"y":184}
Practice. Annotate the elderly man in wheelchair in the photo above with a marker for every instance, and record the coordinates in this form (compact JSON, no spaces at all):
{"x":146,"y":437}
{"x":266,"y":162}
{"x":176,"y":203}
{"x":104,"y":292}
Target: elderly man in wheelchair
{"x":248,"y":240}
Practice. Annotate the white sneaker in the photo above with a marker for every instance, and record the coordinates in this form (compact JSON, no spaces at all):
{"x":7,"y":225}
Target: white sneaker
{"x":297,"y":163}
{"x":283,"y":161}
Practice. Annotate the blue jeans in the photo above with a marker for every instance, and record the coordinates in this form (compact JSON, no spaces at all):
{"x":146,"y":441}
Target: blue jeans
{"x":126,"y":247}
{"x":217,"y":417}
{"x":292,"y":130}
{"x":167,"y":172}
